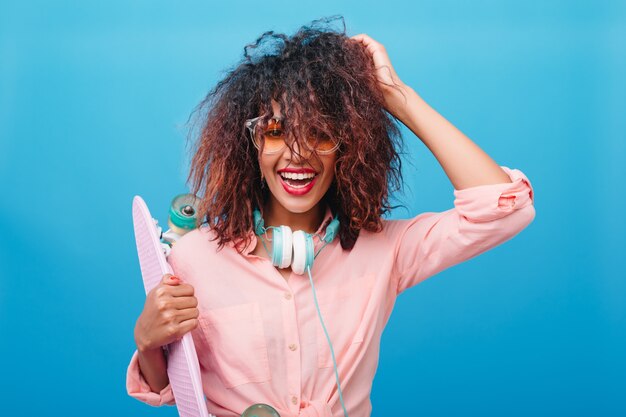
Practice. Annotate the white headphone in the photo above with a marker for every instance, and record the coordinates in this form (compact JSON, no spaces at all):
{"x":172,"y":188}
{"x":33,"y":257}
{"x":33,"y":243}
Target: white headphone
{"x":295,"y":249}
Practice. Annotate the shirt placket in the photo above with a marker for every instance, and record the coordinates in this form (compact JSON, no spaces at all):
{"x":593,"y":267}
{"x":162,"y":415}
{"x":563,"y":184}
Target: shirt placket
{"x":292,"y":350}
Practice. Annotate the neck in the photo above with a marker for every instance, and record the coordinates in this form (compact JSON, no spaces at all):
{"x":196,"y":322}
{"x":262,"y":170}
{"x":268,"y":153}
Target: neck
{"x":275,"y":214}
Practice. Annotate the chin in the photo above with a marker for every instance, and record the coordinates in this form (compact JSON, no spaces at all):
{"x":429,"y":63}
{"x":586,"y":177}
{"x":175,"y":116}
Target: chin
{"x":298,"y":206}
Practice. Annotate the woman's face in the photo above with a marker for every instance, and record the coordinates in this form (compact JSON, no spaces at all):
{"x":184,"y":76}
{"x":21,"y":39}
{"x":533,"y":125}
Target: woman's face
{"x":297,"y":180}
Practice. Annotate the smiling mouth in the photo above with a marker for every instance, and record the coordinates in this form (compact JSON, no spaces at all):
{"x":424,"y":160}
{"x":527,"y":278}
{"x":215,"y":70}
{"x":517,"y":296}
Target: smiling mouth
{"x":297,"y":180}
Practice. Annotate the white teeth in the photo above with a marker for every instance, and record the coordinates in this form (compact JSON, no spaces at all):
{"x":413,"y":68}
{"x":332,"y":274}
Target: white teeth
{"x":296,"y":176}
{"x":299,"y":186}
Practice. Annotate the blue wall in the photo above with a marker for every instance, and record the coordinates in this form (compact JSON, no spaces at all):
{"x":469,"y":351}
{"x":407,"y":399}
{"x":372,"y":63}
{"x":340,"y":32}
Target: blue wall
{"x":93,"y":99}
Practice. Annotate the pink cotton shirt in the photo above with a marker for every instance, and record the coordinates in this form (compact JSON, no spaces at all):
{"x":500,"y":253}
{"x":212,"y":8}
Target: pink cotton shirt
{"x":260,"y":339}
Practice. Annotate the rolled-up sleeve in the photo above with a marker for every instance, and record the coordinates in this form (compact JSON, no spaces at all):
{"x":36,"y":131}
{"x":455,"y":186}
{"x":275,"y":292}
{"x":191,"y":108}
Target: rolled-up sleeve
{"x":138,"y":388}
{"x":482,"y":218}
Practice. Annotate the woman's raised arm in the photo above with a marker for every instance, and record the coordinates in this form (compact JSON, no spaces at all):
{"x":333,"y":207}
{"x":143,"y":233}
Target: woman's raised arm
{"x":465,"y":164}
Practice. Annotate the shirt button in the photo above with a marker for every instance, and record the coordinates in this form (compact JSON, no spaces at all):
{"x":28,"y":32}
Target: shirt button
{"x":294,"y":400}
{"x":287,"y":296}
{"x":293,"y":346}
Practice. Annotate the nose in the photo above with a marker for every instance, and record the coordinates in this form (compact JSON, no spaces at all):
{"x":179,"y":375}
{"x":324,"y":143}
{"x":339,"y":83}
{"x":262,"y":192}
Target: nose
{"x":297,"y":153}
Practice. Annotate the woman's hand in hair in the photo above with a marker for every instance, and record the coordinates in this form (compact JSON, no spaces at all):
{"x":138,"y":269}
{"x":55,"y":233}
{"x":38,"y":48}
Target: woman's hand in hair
{"x":393,"y":88}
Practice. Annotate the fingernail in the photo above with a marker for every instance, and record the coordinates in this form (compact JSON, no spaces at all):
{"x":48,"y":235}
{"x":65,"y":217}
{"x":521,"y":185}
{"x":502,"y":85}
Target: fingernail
{"x":175,"y":279}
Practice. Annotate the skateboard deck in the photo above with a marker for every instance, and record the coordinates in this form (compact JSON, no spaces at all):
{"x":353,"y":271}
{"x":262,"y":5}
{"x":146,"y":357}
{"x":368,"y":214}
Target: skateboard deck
{"x":183,"y":368}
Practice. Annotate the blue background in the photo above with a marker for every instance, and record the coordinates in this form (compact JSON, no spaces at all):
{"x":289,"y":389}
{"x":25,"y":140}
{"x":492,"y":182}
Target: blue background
{"x":93,"y":101}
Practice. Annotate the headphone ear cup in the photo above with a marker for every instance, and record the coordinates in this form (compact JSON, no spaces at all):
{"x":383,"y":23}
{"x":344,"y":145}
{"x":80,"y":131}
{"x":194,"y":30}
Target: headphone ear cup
{"x":303,"y":252}
{"x":299,"y":255}
{"x":286,"y":252}
{"x":277,"y":246}
{"x":281,"y":246}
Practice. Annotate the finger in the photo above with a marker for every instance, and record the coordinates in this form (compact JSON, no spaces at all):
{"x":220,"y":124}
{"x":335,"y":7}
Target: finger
{"x":365,"y":39}
{"x":169,"y":279}
{"x":187,"y":314}
{"x":184,"y":302}
{"x":187,"y":326}
{"x":361,"y":36}
{"x":370,"y":45}
{"x":361,"y":39}
{"x":181,"y":290}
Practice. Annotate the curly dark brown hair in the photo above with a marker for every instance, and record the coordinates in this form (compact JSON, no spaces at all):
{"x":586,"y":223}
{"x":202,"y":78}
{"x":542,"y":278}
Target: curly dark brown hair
{"x":322,"y":79}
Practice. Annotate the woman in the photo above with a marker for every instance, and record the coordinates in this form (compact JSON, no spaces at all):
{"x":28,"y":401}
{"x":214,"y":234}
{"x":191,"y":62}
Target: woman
{"x":303,"y":132}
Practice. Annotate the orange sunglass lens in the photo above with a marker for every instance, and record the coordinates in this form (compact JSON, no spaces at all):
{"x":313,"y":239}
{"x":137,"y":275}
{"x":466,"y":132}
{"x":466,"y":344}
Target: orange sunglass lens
{"x":273,"y":135}
{"x":320,"y":141}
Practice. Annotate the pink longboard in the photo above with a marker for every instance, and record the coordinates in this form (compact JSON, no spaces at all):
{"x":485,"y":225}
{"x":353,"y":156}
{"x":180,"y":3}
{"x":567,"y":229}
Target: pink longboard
{"x":183,"y":368}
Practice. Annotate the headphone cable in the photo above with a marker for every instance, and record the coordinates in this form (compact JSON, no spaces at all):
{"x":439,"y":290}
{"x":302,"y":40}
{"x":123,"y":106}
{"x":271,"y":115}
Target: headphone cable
{"x":332,"y":351}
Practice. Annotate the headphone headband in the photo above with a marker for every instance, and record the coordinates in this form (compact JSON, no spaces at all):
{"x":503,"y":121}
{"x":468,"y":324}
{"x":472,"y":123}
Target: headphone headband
{"x":259,"y":224}
{"x":331,"y":230}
